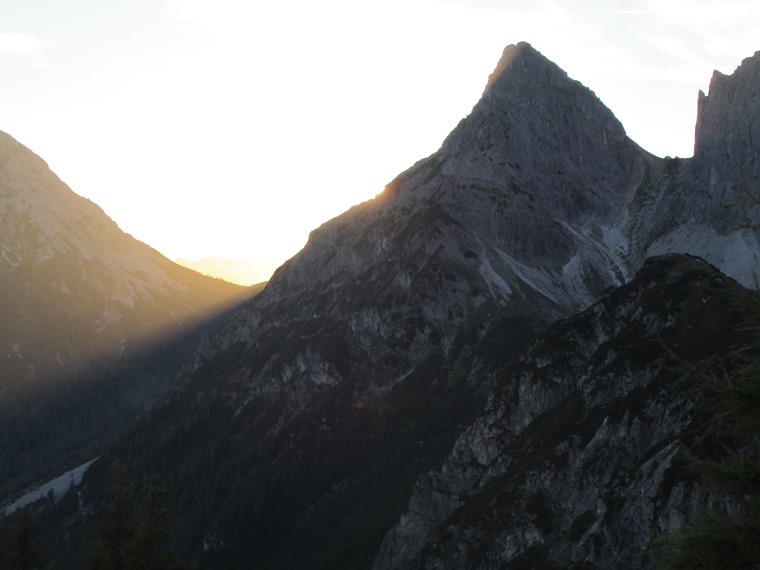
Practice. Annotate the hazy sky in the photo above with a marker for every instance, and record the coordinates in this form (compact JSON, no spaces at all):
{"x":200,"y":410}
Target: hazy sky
{"x":233,"y":127}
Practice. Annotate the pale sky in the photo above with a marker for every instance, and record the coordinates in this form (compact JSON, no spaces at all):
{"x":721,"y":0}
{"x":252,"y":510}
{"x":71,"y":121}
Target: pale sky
{"x":232,"y":128}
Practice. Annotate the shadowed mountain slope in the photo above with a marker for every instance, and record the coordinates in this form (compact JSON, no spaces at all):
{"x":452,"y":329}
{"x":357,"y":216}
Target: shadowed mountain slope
{"x":93,"y":323}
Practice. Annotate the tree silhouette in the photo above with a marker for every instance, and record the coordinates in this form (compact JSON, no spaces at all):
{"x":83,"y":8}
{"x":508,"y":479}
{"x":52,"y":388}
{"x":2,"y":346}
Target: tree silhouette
{"x":134,"y":535}
{"x":727,"y":541}
{"x":19,"y":549}
{"x":149,"y":548}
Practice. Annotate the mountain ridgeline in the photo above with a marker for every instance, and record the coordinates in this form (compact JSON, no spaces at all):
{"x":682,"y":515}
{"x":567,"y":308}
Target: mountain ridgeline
{"x":93,"y":324}
{"x":471,"y":370}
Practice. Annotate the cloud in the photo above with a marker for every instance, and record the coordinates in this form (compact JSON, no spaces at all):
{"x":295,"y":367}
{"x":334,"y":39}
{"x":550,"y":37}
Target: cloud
{"x":21,"y":44}
{"x":219,"y":16}
{"x":695,"y":31}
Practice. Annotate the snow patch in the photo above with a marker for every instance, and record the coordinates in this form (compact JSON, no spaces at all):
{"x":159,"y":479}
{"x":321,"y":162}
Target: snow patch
{"x":58,"y":486}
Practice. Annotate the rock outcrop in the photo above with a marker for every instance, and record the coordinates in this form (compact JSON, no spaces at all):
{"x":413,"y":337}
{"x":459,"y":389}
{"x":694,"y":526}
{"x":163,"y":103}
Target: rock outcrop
{"x":575,"y":461}
{"x":708,"y":205}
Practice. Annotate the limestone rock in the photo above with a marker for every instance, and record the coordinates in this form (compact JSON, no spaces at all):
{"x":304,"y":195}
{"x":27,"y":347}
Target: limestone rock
{"x":575,"y":458}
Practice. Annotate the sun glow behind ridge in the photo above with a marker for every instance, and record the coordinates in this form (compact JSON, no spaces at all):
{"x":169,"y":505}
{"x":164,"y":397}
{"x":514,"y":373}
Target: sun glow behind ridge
{"x":232,"y":129}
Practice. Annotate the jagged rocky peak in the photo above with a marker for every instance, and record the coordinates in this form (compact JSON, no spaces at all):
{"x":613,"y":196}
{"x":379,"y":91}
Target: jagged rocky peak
{"x":726,"y":145}
{"x":523,"y":59}
{"x":558,"y":166}
{"x":547,"y":134}
{"x":536,"y":176}
{"x":532,"y":96}
{"x":728,"y":118}
{"x":704,"y":205}
{"x":539,"y":174}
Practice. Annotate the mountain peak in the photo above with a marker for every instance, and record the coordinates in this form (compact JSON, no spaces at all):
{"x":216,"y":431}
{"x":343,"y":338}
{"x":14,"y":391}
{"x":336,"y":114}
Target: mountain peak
{"x":521,"y":60}
{"x":544,"y":141}
{"x":728,"y":115}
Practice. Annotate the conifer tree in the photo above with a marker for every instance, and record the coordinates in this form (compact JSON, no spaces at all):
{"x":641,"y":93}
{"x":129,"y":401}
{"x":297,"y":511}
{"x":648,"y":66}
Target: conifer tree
{"x":27,"y":554}
{"x":19,"y":548}
{"x":150,"y":549}
{"x":732,"y":402}
{"x":111,"y":551}
{"x":5,"y":559}
{"x":134,"y":535}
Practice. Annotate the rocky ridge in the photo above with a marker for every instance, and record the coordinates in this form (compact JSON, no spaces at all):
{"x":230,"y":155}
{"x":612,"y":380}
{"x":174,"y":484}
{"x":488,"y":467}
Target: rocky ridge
{"x":540,"y":199}
{"x":575,"y":460}
{"x":356,"y":369}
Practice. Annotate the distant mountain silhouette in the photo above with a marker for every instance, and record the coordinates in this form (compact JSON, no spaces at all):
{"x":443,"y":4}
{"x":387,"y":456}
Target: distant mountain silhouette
{"x":240,"y":271}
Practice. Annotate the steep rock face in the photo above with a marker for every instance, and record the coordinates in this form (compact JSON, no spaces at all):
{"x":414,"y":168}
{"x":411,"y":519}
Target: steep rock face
{"x":708,"y":205}
{"x":502,"y":216}
{"x":574,"y":461}
{"x":563,"y":169}
{"x":537,"y":200}
{"x":354,"y":371}
{"x":87,"y":314}
{"x":728,"y":119}
{"x":536,"y":175}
